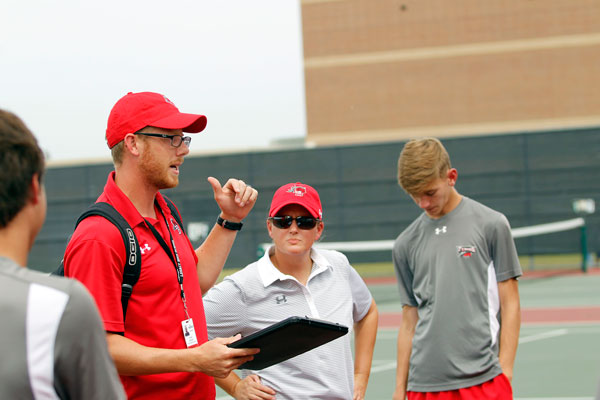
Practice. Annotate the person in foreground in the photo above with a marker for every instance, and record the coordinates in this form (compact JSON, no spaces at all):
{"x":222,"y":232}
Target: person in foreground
{"x":51,"y":337}
{"x":456,"y":266}
{"x":160,"y":347}
{"x":295,"y":279}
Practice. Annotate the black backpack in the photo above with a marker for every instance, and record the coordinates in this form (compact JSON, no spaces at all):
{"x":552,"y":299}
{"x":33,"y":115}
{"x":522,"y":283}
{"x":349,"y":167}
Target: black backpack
{"x":133,"y":264}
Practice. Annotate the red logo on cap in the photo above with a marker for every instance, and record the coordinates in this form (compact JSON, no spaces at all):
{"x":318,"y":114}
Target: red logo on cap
{"x":299,"y":191}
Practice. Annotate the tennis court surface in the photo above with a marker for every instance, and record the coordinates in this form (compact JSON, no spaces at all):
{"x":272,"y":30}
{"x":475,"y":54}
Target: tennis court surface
{"x":559,"y":347}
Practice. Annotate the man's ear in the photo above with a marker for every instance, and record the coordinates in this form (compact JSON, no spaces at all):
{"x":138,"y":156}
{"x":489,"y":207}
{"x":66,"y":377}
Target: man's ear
{"x":452,"y":176}
{"x":35,"y":189}
{"x":131,"y":143}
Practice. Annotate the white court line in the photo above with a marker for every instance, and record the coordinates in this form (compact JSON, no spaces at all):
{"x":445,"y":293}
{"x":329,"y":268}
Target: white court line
{"x":526,"y":339}
{"x":544,"y":335}
{"x":384,"y":367}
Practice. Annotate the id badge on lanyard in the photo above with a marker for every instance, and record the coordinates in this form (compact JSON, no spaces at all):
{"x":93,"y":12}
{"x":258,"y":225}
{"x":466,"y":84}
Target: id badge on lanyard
{"x":189,"y":333}
{"x":187,"y":325}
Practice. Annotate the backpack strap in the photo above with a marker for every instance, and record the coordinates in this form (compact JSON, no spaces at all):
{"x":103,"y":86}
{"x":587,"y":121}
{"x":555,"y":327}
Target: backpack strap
{"x":133,"y":263}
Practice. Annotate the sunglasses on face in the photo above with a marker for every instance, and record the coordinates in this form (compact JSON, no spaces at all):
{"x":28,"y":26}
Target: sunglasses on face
{"x":285,"y":221}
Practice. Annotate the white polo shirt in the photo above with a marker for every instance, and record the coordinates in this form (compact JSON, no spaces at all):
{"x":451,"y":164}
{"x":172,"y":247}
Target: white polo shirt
{"x":260,"y":295}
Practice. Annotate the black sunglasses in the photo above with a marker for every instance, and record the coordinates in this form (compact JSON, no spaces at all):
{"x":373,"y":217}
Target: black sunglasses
{"x":285,"y":221}
{"x":176,"y":140}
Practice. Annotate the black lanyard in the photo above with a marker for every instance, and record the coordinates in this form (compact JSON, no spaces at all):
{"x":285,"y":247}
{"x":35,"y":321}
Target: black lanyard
{"x":174,"y":259}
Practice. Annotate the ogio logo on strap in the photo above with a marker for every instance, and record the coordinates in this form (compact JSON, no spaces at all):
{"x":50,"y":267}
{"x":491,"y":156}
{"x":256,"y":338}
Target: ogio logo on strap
{"x":131,"y":258}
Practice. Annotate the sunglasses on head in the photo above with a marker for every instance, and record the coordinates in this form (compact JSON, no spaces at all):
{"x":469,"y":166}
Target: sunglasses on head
{"x":285,"y":221}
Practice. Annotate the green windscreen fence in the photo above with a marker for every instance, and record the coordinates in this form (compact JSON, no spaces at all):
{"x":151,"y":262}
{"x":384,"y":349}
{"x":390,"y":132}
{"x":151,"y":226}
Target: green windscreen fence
{"x":532,"y":178}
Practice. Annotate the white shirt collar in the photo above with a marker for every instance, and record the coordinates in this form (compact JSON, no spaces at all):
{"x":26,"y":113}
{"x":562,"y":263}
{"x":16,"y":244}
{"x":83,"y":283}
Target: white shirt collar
{"x":269,"y":273}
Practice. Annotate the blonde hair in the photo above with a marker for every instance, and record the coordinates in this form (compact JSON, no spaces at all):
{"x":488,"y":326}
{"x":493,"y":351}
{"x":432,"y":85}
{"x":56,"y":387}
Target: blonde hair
{"x":117,"y":152}
{"x":420,"y":162}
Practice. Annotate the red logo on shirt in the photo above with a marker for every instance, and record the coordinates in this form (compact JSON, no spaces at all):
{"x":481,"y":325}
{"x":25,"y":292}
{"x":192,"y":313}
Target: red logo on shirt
{"x":466,"y":251}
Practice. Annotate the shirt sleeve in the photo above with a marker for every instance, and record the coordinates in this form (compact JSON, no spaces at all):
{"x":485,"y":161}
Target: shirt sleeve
{"x":83,"y":365}
{"x":225,"y":310}
{"x":361,"y":296}
{"x":404,"y":275}
{"x":95,"y":256}
{"x":504,"y":252}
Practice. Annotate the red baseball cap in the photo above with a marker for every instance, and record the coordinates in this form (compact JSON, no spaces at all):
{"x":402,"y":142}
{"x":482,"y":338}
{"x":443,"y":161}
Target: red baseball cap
{"x":297,"y":193}
{"x":135,"y":111}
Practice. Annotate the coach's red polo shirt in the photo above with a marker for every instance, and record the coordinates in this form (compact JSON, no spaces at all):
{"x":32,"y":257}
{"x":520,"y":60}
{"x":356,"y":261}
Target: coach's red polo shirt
{"x":96,"y":256}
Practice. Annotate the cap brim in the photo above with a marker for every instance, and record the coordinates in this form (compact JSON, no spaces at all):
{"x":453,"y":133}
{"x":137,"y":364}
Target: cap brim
{"x":191,"y":123}
{"x":312,"y":212}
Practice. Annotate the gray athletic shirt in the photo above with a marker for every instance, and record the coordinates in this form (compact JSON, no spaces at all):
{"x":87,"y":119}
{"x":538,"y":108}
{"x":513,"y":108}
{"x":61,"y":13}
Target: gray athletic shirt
{"x":52,"y":341}
{"x":449,"y":268}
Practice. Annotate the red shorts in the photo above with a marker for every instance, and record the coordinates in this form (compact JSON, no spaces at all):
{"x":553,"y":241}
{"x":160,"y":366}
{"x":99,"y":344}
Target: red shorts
{"x":496,"y":389}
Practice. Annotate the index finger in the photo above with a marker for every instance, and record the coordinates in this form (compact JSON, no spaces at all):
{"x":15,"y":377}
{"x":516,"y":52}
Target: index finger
{"x":235,"y":184}
{"x":249,"y":195}
{"x":243,"y":352}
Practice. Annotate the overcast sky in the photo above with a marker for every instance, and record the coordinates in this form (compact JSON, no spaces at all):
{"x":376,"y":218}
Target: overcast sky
{"x":64,"y":64}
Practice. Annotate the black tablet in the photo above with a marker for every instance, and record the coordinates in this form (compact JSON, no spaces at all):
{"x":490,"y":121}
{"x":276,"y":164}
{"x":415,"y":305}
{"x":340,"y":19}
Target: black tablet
{"x":288,"y":338}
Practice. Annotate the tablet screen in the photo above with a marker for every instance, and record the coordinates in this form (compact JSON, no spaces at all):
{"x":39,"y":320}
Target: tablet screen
{"x":288,"y":338}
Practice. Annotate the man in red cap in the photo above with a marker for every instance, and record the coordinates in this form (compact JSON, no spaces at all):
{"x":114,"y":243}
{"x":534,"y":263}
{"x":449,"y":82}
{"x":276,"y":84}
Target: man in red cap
{"x":160,"y":347}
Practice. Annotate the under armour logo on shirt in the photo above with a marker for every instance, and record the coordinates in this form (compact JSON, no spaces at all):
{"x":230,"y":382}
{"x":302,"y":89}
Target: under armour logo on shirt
{"x":440,"y":230}
{"x":145,"y":248}
{"x":281,"y":299}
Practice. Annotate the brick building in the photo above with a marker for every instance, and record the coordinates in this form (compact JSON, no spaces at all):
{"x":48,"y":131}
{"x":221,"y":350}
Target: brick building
{"x":380,"y":70}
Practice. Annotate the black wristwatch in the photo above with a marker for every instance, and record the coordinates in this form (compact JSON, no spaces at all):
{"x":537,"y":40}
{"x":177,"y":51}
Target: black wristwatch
{"x":233,"y":226}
